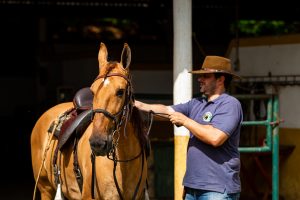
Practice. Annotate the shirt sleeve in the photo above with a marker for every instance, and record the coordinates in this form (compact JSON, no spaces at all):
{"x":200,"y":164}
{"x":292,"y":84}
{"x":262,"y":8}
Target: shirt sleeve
{"x":183,"y":108}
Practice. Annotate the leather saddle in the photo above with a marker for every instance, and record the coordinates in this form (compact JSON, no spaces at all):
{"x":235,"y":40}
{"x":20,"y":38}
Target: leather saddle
{"x":79,"y":117}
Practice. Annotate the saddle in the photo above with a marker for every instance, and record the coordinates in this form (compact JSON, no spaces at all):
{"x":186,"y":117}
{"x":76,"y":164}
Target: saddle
{"x":77,"y":119}
{"x":71,"y":126}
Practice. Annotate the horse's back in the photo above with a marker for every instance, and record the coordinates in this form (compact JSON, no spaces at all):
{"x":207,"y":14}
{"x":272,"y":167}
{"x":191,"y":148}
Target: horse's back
{"x":39,"y":132}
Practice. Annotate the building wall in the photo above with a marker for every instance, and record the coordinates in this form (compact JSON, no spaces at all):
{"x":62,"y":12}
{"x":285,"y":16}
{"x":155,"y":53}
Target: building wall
{"x":277,"y":56}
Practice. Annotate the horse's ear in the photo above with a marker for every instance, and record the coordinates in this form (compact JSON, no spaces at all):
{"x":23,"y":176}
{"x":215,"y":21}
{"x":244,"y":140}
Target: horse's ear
{"x":102,"y":55}
{"x":126,"y":56}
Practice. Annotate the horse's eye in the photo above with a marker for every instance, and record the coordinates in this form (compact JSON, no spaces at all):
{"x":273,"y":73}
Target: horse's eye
{"x":120,"y":92}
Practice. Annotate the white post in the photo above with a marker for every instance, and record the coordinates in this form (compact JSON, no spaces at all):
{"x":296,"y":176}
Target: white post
{"x":182,"y":91}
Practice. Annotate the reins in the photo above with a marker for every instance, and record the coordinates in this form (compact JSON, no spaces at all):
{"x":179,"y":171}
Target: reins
{"x":140,"y":179}
{"x":151,"y":113}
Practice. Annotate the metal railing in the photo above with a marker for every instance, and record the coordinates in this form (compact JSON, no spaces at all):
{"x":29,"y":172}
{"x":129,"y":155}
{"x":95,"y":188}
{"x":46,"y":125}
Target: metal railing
{"x":272,"y":136}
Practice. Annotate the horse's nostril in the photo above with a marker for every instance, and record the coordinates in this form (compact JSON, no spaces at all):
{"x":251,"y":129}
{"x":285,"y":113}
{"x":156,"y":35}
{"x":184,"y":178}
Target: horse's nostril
{"x":98,"y":145}
{"x":101,"y":144}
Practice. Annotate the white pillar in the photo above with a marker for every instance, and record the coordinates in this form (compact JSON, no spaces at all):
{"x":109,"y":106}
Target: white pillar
{"x":182,"y":91}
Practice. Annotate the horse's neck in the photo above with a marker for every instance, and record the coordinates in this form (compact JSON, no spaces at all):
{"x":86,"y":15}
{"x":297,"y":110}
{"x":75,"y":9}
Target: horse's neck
{"x":128,"y":144}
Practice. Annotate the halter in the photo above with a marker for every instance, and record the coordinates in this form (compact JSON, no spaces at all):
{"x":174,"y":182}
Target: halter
{"x":118,"y":119}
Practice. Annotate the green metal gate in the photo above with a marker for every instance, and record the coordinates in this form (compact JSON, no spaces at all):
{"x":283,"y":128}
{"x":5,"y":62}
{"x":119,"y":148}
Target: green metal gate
{"x":272,"y":136}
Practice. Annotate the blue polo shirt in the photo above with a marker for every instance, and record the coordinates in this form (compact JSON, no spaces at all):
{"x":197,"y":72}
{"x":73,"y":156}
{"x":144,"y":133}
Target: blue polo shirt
{"x":214,"y":168}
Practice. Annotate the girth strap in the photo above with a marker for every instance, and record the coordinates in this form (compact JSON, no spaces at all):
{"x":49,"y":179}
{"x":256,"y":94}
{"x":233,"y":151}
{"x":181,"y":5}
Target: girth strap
{"x":76,"y":168}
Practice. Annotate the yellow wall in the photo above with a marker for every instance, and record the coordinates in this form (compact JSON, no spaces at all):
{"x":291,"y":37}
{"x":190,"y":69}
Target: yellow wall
{"x":290,"y":168}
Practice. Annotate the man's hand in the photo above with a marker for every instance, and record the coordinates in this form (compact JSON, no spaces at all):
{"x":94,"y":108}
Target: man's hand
{"x":138,"y":104}
{"x":178,"y":118}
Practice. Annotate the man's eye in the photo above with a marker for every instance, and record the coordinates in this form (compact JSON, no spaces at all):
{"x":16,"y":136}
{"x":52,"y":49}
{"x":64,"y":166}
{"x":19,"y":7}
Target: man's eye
{"x":120,"y":92}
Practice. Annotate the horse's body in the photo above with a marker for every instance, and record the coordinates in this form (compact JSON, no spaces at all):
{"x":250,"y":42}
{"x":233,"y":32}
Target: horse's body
{"x":111,"y":107}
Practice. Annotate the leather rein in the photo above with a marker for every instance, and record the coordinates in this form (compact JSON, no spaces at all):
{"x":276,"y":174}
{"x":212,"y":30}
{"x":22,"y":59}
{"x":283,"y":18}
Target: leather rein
{"x":118,"y":118}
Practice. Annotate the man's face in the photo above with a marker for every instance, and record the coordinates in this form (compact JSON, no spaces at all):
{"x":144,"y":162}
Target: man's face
{"x":207,"y":84}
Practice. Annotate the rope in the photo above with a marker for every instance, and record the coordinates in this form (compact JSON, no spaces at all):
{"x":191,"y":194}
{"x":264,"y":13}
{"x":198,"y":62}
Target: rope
{"x":44,"y":157}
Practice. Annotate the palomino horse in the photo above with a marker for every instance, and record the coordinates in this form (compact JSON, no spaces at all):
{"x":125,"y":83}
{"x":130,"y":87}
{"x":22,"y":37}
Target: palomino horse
{"x":109,"y":157}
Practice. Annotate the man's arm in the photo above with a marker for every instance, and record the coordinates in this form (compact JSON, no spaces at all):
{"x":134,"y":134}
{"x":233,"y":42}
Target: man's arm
{"x":206,"y":133}
{"x":156,"y":108}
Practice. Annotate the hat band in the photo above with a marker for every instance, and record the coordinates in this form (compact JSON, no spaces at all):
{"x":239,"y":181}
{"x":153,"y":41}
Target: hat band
{"x":215,"y":70}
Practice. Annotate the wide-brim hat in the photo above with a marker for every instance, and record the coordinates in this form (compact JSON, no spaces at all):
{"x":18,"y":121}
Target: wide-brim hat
{"x":216,"y":64}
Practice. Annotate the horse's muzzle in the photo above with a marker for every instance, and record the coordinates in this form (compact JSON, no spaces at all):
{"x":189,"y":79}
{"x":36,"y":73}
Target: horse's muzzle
{"x":100,"y":145}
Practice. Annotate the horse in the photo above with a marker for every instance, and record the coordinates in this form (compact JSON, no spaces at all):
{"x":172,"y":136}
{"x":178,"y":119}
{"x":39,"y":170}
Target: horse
{"x":108,"y":156}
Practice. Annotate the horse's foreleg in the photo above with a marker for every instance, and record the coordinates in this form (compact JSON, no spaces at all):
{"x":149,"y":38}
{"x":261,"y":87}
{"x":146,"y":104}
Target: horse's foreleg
{"x":46,"y":190}
{"x":86,"y":189}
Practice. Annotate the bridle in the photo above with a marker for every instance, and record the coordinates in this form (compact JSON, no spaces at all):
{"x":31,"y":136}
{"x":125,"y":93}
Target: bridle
{"x":121,"y":116}
{"x":118,"y":118}
{"x":127,"y":102}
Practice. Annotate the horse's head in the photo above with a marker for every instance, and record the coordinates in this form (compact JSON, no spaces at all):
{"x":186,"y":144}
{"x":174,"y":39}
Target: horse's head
{"x":112,"y":101}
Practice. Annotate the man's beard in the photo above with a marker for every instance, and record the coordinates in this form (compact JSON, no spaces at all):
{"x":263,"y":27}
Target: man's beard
{"x":208,"y":91}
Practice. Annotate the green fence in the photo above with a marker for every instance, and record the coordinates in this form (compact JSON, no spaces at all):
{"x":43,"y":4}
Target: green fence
{"x":272,"y":136}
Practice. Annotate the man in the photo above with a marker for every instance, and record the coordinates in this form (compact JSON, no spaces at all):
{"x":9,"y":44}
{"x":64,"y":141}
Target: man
{"x":214,"y":122}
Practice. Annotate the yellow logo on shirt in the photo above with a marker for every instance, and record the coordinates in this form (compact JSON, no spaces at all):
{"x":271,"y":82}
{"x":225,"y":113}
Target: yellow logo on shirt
{"x":207,"y":117}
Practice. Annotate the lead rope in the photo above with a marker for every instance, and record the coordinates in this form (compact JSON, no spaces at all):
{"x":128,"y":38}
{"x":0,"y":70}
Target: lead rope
{"x":44,"y":156}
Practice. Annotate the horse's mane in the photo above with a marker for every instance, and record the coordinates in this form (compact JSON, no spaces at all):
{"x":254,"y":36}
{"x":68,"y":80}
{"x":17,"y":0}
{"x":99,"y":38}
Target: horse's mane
{"x":139,"y":126}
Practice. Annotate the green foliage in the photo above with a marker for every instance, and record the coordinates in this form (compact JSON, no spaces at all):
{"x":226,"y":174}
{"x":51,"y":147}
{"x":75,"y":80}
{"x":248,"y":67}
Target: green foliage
{"x":253,"y":28}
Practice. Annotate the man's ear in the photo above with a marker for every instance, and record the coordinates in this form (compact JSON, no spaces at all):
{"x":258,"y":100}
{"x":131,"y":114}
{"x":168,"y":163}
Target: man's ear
{"x":221,"y":79}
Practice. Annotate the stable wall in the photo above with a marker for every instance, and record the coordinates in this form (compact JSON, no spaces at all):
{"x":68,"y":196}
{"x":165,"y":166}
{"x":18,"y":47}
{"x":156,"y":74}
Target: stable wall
{"x":276,"y":56}
{"x":273,"y":56}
